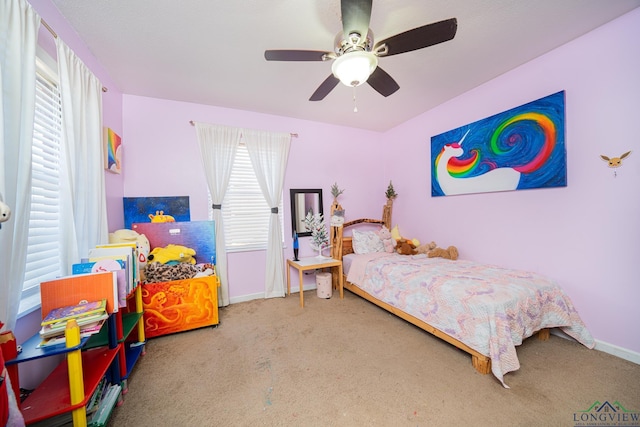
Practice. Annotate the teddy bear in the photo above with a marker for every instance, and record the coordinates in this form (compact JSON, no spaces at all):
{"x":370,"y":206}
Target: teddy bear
{"x":433,"y":251}
{"x":406,"y":247}
{"x":426,"y":247}
{"x":450,"y":253}
{"x":173,"y":253}
{"x":387,"y":240}
{"x":129,"y":236}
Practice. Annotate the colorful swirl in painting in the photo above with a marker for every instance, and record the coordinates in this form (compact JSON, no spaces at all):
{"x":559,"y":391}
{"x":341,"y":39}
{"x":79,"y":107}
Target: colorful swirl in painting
{"x":544,"y":125}
{"x":528,"y":139}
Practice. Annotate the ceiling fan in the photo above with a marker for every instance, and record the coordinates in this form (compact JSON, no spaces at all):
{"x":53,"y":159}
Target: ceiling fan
{"x":356,"y":56}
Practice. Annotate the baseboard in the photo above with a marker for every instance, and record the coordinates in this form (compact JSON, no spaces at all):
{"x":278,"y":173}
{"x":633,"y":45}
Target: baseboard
{"x":622,"y":353}
{"x":605,"y":347}
{"x":260,"y":295}
{"x":245,"y":298}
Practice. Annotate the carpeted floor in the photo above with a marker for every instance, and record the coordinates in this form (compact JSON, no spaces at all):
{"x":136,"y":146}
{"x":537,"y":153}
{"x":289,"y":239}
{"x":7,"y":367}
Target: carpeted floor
{"x":348,"y":363}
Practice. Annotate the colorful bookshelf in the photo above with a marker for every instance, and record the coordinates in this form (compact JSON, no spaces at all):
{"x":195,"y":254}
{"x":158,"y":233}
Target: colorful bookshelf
{"x":70,"y":384}
{"x":130,"y":334}
{"x":66,"y":391}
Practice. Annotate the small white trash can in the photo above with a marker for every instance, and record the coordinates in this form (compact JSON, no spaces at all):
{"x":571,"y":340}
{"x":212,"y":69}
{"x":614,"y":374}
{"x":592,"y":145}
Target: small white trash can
{"x":324,"y":285}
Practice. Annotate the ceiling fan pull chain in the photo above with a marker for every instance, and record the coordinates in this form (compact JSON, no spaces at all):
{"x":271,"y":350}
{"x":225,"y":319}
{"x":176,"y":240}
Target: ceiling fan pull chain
{"x":355,"y":106}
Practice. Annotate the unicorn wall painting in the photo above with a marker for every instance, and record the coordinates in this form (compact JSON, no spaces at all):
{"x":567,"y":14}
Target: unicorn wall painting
{"x":518,"y":149}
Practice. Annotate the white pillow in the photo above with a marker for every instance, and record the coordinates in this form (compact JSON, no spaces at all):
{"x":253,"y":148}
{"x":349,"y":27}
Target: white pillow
{"x":365,"y":242}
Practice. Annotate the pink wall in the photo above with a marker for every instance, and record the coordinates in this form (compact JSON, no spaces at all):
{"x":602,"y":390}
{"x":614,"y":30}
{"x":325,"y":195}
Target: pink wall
{"x":162,"y":159}
{"x":586,"y":235}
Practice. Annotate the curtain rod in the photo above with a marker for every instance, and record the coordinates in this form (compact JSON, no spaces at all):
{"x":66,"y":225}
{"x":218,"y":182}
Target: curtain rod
{"x":293,"y":135}
{"x":55,"y":36}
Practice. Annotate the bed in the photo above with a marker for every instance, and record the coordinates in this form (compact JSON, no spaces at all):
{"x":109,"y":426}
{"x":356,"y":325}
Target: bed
{"x":484,"y":310}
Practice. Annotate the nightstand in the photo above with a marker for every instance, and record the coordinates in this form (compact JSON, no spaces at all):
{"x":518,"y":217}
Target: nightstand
{"x":314,"y":263}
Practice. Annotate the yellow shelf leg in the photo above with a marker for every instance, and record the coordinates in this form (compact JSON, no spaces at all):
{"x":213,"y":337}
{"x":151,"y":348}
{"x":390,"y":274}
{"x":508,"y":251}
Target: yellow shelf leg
{"x":140,"y":309}
{"x":76,"y":383}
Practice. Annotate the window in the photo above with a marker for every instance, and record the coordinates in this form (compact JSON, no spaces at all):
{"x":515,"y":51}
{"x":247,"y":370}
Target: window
{"x":244,"y":211}
{"x":43,"y":260}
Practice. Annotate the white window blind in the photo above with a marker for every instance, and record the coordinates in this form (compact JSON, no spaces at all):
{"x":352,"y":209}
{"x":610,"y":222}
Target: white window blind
{"x":244,"y":211}
{"x":43,"y":260}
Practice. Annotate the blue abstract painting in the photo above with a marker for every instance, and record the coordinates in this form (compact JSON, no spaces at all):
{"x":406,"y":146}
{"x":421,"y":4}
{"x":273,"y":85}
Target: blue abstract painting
{"x":138,"y":209}
{"x":518,"y":149}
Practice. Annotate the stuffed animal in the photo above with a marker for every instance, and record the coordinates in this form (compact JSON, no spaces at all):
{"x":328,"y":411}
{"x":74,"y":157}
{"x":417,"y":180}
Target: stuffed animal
{"x":433,"y":251}
{"x":387,"y":241}
{"x":129,"y":236}
{"x":337,"y":218}
{"x":173,"y":253}
{"x":161,"y":217}
{"x":395,"y":235}
{"x":450,"y":253}
{"x":5,"y":212}
{"x":206,"y":269}
{"x":406,"y":247}
{"x":425,"y":248}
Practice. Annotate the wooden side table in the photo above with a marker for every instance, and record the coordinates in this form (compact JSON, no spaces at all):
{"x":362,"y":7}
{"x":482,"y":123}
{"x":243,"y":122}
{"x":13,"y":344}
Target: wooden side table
{"x":314,"y":263}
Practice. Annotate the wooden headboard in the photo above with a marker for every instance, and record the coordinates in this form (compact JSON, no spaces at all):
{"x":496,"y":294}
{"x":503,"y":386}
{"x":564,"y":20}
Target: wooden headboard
{"x":343,"y":245}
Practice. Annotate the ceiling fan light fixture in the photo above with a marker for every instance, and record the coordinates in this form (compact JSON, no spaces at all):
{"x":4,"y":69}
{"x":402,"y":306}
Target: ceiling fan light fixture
{"x":354,"y":68}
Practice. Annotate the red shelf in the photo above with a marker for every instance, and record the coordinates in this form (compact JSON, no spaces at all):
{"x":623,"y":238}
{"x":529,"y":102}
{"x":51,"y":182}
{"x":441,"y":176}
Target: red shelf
{"x":52,"y":397}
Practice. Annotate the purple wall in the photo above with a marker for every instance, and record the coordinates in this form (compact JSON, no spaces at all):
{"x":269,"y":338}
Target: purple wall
{"x":586,"y":235}
{"x":162,"y":159}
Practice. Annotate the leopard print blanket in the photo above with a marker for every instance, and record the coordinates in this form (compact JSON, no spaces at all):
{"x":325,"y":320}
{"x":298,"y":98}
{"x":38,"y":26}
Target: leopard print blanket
{"x":156,"y":272}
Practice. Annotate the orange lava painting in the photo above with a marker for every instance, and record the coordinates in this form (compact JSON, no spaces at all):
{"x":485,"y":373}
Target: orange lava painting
{"x":179,"y":305}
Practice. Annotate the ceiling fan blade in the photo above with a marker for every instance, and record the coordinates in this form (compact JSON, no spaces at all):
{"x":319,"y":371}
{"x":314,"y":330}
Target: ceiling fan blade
{"x":382,"y":82}
{"x":324,"y":89}
{"x":356,"y":15}
{"x":297,"y":55}
{"x":418,"y":38}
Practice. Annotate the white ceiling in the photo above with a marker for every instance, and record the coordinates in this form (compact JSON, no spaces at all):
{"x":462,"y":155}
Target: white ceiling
{"x":212,"y":51}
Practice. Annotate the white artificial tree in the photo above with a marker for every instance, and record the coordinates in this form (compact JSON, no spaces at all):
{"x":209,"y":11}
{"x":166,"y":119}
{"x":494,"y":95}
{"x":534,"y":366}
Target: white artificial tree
{"x":319,"y":234}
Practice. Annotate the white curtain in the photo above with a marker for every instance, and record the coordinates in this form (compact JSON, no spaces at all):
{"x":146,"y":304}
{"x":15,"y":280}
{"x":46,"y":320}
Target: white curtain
{"x":269,"y":152}
{"x":19,"y":25}
{"x":84,"y":213}
{"x":218,"y":145}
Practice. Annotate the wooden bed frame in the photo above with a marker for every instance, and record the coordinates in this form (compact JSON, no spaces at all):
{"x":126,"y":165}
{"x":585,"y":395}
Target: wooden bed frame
{"x":343,"y":245}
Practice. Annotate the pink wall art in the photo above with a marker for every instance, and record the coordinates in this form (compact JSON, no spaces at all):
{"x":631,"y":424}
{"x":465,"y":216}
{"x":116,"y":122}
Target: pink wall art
{"x":521,"y":148}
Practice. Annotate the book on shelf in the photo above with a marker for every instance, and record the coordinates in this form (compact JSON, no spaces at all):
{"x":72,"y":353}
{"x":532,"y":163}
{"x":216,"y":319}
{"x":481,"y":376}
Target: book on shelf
{"x":98,"y":408}
{"x":75,"y":311}
{"x":119,"y":253}
{"x":108,"y":402}
{"x":86,"y":325}
{"x":87,"y":266}
{"x":103,"y":265}
{"x":60,"y":339}
{"x":94,"y":401}
{"x":135,"y":267}
{"x":69,"y":290}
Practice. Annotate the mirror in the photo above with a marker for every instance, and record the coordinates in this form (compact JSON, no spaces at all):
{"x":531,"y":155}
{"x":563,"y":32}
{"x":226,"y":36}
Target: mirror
{"x":304,"y":201}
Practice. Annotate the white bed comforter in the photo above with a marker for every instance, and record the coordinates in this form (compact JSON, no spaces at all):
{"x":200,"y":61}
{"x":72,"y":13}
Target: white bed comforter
{"x":491,"y":309}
